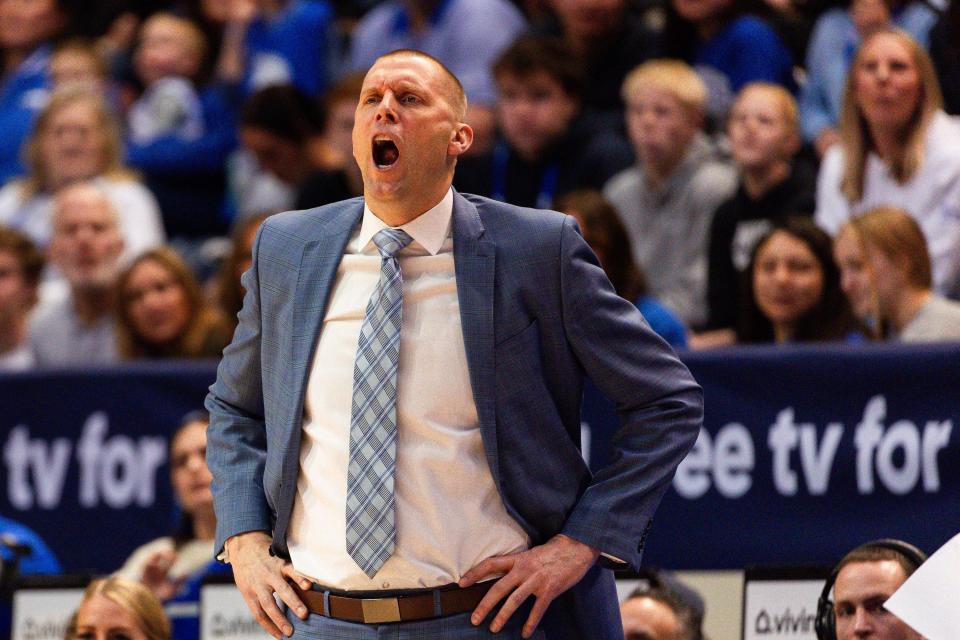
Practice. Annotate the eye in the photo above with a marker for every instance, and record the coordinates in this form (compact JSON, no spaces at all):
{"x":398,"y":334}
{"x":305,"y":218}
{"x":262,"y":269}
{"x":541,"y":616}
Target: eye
{"x":409,"y":98}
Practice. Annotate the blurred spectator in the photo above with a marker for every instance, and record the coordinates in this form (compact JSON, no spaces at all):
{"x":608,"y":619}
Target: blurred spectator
{"x":20,"y":267}
{"x":656,"y":613}
{"x":268,"y":42}
{"x":164,"y":564}
{"x":898,"y":149}
{"x":162,"y":313}
{"x":76,"y":64}
{"x":945,"y":51}
{"x":465,"y":35}
{"x":605,"y":234}
{"x":792,"y":289}
{"x":179,"y":132}
{"x":834,"y":42}
{"x":76,"y":138}
{"x":38,"y":558}
{"x":26,"y":30}
{"x":667,"y":201}
{"x":729,"y":44}
{"x":610,"y":41}
{"x":764,"y":139}
{"x":114,"y":608}
{"x":229,"y":290}
{"x":545,"y":149}
{"x":80,"y":330}
{"x":885,"y":272}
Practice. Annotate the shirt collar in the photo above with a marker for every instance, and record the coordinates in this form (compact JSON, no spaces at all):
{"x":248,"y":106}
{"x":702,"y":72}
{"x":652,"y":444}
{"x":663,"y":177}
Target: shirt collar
{"x":429,"y":229}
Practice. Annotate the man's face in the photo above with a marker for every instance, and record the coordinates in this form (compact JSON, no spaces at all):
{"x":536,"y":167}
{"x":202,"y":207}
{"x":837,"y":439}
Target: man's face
{"x":407,"y":133}
{"x":534,"y":111}
{"x":760,"y":133}
{"x":648,"y":619}
{"x":86,"y":244}
{"x":659,"y":125}
{"x":858,"y":595}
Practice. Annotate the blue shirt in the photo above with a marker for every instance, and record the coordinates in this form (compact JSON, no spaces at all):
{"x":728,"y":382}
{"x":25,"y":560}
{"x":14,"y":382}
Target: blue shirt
{"x":23,"y":94}
{"x":663,"y":321}
{"x":832,"y":46}
{"x":40,"y":560}
{"x":295,"y":46}
{"x":465,"y":35}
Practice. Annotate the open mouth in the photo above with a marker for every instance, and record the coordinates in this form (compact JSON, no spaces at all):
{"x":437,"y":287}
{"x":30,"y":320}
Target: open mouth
{"x":385,"y":152}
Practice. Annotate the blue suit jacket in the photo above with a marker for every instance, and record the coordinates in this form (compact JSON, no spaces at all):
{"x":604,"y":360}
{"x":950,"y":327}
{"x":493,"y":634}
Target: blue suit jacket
{"x":537,"y":314}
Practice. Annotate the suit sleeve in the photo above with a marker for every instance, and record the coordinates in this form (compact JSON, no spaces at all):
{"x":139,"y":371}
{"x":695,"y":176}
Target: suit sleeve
{"x":659,"y":404}
{"x":236,"y":437}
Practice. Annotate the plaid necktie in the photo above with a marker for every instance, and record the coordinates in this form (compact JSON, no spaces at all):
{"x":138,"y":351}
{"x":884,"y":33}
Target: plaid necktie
{"x":371,"y":531}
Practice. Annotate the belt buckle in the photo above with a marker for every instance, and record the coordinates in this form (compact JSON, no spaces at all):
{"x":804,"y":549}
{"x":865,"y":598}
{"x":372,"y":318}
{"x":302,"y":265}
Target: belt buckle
{"x":376,"y":610}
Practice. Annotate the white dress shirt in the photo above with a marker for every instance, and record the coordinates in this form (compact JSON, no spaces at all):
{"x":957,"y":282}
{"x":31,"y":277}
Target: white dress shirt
{"x":449,"y":515}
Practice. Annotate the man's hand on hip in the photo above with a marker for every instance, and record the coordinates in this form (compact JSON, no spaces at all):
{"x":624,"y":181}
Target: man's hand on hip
{"x":545,"y":571}
{"x":259,"y":575}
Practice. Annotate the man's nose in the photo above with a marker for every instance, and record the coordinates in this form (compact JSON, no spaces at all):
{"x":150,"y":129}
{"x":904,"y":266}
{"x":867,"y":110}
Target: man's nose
{"x":862,"y":623}
{"x":386,"y":110}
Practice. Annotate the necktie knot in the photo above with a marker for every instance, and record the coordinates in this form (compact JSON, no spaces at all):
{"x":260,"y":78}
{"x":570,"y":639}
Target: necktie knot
{"x":389,"y":241}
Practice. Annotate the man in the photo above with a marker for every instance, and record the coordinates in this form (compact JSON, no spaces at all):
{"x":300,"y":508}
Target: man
{"x":86,"y":247}
{"x":655,"y":613}
{"x":864,"y":579}
{"x":477,"y":472}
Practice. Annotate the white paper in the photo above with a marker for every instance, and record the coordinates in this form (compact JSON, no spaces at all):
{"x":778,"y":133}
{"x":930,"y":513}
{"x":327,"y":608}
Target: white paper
{"x":929,"y":601}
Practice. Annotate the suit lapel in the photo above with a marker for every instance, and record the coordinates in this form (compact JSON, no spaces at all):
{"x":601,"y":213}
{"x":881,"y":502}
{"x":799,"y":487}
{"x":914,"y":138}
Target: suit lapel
{"x":474,"y":262}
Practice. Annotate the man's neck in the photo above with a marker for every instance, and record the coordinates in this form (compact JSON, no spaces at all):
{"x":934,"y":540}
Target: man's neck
{"x":758,"y":181}
{"x":398,"y":212}
{"x":93,"y":303}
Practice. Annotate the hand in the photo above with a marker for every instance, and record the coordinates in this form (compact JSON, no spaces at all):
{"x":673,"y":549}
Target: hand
{"x":259,"y":575}
{"x":545,"y":571}
{"x":156,"y":575}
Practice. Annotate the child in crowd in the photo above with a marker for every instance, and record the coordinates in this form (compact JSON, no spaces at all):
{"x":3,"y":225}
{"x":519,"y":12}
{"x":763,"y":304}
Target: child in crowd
{"x":180,"y":133}
{"x":543,"y":152}
{"x":20,"y":266}
{"x":76,"y":63}
{"x":667,"y":201}
{"x":764,"y":138}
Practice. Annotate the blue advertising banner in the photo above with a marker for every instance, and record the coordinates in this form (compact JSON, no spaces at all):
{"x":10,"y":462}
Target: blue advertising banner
{"x":805,"y":453}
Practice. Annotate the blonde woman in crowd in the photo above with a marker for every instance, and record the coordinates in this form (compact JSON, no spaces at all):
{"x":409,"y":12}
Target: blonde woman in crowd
{"x":898,"y":148}
{"x":885,"y":272}
{"x":162,"y":313}
{"x":116,"y":607}
{"x":76,"y":138}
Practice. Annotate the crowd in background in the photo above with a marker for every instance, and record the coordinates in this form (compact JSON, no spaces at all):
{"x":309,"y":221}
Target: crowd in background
{"x":784,"y":171}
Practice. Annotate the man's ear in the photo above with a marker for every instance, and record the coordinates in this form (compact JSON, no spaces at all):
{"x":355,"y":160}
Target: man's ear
{"x":461,"y":140}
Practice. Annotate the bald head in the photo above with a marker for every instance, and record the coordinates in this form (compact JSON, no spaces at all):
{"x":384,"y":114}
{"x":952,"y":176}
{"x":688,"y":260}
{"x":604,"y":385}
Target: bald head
{"x":454,"y":94}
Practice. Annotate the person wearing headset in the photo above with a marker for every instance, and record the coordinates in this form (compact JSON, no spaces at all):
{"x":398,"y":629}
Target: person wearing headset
{"x":862,"y":582}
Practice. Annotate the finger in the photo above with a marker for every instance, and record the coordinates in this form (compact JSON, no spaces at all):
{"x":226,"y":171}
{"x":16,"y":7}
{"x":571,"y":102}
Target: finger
{"x":254,"y":605}
{"x":536,"y":614}
{"x":291,"y":599}
{"x":269,"y":606}
{"x":510,"y":605}
{"x":497,"y":592}
{"x":496,"y":564}
{"x":302,"y":581}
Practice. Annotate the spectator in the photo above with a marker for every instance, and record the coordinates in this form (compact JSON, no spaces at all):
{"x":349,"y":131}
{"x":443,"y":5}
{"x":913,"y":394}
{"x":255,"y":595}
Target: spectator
{"x":180,"y":133}
{"x":76,"y":63}
{"x":885,"y":272}
{"x":230,"y":291}
{"x":545,"y":149}
{"x":667,"y":201}
{"x":729,"y":44}
{"x":792,"y":289}
{"x":80,"y":330}
{"x":899,"y":148}
{"x":268,"y":42}
{"x":764,"y":139}
{"x":162,"y":313}
{"x":77,"y":139}
{"x":609,"y":40}
{"x":465,"y":35}
{"x":861,"y":582}
{"x":656,"y":613}
{"x":164,"y":564}
{"x":117,"y":607}
{"x":38,"y":559}
{"x":26,"y":30}
{"x":835,"y":39}
{"x":605,"y":234}
{"x":20,"y":267}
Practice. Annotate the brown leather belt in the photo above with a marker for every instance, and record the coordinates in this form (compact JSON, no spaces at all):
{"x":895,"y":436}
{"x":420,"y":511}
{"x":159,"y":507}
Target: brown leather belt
{"x":417,"y":606}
